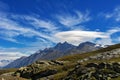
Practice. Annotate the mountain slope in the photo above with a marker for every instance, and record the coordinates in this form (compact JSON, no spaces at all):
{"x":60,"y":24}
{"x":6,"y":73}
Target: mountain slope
{"x":71,"y":68}
{"x":61,"y":49}
{"x":76,"y":57}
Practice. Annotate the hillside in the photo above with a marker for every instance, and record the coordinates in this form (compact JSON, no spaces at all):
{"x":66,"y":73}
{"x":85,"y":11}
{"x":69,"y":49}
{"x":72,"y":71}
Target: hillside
{"x":95,"y":65}
{"x":76,"y":57}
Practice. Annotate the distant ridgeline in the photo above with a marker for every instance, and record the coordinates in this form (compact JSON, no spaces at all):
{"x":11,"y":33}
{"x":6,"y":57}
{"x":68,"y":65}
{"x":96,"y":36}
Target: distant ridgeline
{"x":61,"y":49}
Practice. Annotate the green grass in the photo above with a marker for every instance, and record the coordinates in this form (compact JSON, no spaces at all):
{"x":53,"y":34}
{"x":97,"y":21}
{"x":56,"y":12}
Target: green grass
{"x":60,"y":76}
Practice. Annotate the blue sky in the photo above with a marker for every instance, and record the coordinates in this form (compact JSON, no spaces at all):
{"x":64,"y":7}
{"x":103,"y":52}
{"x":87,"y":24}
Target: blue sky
{"x":29,"y":25}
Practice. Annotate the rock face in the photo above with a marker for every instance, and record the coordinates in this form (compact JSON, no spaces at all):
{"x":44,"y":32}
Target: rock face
{"x":38,"y":69}
{"x":83,"y":48}
{"x":61,"y":49}
{"x":94,"y":71}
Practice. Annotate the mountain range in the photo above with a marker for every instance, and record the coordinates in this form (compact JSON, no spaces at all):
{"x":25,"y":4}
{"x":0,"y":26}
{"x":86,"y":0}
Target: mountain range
{"x":61,"y":49}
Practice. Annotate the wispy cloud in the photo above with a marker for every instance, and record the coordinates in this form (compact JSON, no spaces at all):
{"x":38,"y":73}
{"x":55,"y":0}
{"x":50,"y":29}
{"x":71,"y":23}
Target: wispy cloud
{"x":14,"y":29}
{"x":11,"y":55}
{"x":38,"y":23}
{"x":11,"y":29}
{"x":71,"y":20}
{"x":115,"y":14}
{"x":109,"y":33}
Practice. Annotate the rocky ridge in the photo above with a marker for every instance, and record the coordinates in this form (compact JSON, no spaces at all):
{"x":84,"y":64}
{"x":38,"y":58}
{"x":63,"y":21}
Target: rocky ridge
{"x":104,"y":55}
{"x":39,"y":69}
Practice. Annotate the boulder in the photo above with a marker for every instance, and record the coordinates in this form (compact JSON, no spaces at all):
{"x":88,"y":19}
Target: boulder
{"x":92,"y":65}
{"x":102,"y":65}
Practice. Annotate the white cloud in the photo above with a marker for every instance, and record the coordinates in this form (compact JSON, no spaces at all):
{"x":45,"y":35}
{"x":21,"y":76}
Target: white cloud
{"x":114,"y":15}
{"x":24,"y":51}
{"x":76,"y":37}
{"x":113,"y":30}
{"x":11,"y":29}
{"x":109,"y":40}
{"x":119,"y":39}
{"x":7,"y":57}
{"x":11,"y":55}
{"x":38,"y":23}
{"x":9,"y":35}
{"x":71,"y":20}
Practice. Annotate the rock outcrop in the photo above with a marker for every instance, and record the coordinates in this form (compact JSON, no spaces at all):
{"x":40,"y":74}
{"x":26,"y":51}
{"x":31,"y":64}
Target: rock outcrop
{"x":39,"y":69}
{"x":94,"y":71}
{"x":104,"y":55}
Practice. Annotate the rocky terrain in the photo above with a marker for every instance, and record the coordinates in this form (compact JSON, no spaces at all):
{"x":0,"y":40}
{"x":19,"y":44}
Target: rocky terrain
{"x":94,"y":71}
{"x":39,"y":69}
{"x":104,"y":55}
{"x":90,"y":71}
{"x":102,"y":64}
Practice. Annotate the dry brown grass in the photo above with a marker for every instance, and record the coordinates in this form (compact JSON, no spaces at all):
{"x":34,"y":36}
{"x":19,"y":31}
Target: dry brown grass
{"x":11,"y":78}
{"x":2,"y":71}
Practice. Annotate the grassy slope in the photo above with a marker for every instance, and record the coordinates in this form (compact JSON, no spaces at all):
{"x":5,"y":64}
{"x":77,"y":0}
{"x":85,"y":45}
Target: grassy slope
{"x":76,"y":57}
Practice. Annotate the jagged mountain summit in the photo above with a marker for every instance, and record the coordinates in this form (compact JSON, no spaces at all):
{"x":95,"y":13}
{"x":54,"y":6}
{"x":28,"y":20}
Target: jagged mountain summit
{"x":61,"y":49}
{"x":64,"y":46}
